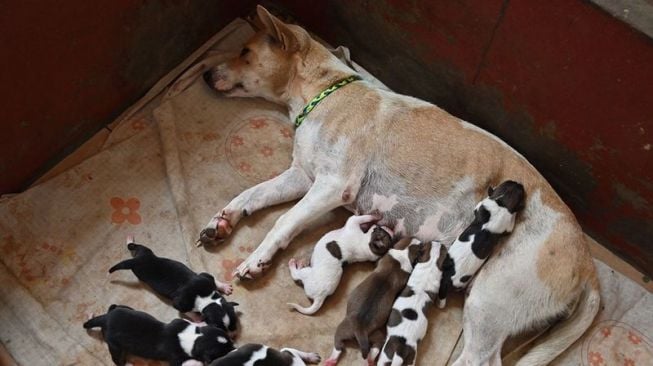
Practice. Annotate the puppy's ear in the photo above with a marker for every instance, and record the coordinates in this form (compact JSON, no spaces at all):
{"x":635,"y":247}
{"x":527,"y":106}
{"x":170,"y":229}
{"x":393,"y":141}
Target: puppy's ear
{"x":425,"y":254}
{"x":233,"y":304}
{"x":291,"y":37}
{"x":490,"y":190}
{"x":442,"y":258}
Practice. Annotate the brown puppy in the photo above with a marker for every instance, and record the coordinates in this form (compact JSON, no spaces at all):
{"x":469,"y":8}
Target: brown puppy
{"x":371,"y":301}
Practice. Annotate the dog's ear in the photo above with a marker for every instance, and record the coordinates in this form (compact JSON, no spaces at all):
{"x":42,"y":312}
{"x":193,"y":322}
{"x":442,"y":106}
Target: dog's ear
{"x":490,"y":190}
{"x":233,"y":304}
{"x":292,"y":38}
{"x":442,"y":258}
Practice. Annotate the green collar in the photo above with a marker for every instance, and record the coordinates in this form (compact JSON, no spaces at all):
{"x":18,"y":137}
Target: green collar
{"x":325,"y":93}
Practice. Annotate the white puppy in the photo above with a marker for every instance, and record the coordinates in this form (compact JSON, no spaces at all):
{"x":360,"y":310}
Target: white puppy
{"x":348,"y":244}
{"x":408,"y":323}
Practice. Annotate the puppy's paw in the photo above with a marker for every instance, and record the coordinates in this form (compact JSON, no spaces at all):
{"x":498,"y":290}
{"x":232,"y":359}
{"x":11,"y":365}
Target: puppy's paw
{"x":312,"y":358}
{"x":224,"y":288}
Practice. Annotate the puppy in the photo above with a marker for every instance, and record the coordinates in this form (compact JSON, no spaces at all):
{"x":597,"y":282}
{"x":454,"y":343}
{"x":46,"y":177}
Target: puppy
{"x":371,"y":301}
{"x":189,"y":292}
{"x":407,"y":323}
{"x":494,"y":217}
{"x":335,"y":249}
{"x":260,"y":355}
{"x":131,"y":332}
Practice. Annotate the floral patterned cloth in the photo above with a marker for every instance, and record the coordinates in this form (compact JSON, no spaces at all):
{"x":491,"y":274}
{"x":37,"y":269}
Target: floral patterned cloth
{"x":163,"y":172}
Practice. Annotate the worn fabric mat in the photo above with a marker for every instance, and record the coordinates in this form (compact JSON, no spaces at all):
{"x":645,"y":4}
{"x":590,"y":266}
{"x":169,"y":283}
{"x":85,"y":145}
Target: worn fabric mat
{"x":163,"y":171}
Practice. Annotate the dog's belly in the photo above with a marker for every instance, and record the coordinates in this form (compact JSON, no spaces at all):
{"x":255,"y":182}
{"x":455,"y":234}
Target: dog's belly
{"x":441,"y":215}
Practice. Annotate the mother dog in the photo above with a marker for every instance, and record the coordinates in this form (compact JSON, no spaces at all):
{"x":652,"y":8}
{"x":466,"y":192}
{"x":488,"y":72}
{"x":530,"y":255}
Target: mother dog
{"x":375,"y":151}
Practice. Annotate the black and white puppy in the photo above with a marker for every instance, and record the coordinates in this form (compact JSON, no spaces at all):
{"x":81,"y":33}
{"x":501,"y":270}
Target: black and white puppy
{"x":336,"y":248}
{"x":180,"y":342}
{"x":260,"y":355}
{"x":408,"y":323}
{"x":189,"y":292}
{"x":494,"y":217}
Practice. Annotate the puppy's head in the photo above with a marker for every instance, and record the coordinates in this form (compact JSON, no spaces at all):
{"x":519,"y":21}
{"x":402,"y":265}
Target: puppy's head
{"x":221,"y":313}
{"x":509,"y":195}
{"x":380,"y":240}
{"x":266,"y":64}
{"x":211,"y":344}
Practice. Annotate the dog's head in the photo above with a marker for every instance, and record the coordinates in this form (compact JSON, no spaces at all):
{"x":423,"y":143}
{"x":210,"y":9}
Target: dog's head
{"x":267,"y":63}
{"x":221,"y":313}
{"x":380,"y":240}
{"x":211,"y":343}
{"x":508,"y":194}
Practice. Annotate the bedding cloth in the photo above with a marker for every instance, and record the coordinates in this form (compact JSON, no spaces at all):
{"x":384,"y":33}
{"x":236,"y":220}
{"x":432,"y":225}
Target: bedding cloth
{"x":165,"y":168}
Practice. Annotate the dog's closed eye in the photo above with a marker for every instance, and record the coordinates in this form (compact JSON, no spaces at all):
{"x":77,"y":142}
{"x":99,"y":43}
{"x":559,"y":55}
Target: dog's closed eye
{"x":244,"y":51}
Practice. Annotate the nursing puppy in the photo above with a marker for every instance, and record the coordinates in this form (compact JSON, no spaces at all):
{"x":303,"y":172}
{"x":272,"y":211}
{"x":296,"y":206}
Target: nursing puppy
{"x":131,"y":332}
{"x":260,"y":355}
{"x":371,"y":301}
{"x":407,"y":323}
{"x":494,"y":217}
{"x":189,"y":292}
{"x":335,"y":249}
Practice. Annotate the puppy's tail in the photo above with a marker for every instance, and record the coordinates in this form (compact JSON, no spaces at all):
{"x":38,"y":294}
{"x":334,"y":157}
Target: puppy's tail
{"x":562,"y":335}
{"x":315,"y":306}
{"x":96,"y":322}
{"x":126,"y":264}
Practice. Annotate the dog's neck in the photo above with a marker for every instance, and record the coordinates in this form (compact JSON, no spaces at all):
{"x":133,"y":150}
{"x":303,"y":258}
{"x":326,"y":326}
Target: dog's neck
{"x":317,"y":71}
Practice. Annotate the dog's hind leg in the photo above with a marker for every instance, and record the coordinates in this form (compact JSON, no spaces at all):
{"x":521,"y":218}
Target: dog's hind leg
{"x":343,"y":332}
{"x":118,"y":356}
{"x":289,"y":185}
{"x":126,"y":264}
{"x":326,"y":194}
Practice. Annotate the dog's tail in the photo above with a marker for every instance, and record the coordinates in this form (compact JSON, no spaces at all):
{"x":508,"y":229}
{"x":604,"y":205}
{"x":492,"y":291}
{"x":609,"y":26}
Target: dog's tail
{"x":315,"y":306}
{"x":563,"y":334}
{"x":96,"y":322}
{"x":126,"y":264}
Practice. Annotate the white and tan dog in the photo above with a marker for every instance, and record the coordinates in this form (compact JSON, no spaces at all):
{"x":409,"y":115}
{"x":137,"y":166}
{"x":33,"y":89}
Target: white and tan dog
{"x":370,"y":149}
{"x":349,"y":244}
{"x":408,"y":322}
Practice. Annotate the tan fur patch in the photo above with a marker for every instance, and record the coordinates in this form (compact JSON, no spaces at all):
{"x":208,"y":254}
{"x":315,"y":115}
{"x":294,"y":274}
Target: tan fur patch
{"x":563,"y":267}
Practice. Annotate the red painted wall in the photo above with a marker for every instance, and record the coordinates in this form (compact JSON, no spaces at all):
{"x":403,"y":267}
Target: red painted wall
{"x":69,"y":67}
{"x":563,"y":82}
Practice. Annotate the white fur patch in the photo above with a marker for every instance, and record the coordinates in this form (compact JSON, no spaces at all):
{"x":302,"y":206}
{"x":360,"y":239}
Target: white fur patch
{"x":202,"y":302}
{"x":383,"y":203}
{"x":258,"y":355}
{"x":225,"y":320}
{"x":187,"y":338}
{"x":501,"y":220}
{"x":401,"y":256}
{"x":222,"y":340}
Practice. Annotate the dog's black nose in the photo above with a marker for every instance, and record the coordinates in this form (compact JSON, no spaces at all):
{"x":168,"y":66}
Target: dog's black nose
{"x":208,"y":77}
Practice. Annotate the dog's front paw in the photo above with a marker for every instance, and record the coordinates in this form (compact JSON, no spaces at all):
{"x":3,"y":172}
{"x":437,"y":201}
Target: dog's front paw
{"x":252,"y":267}
{"x":216,"y":231}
